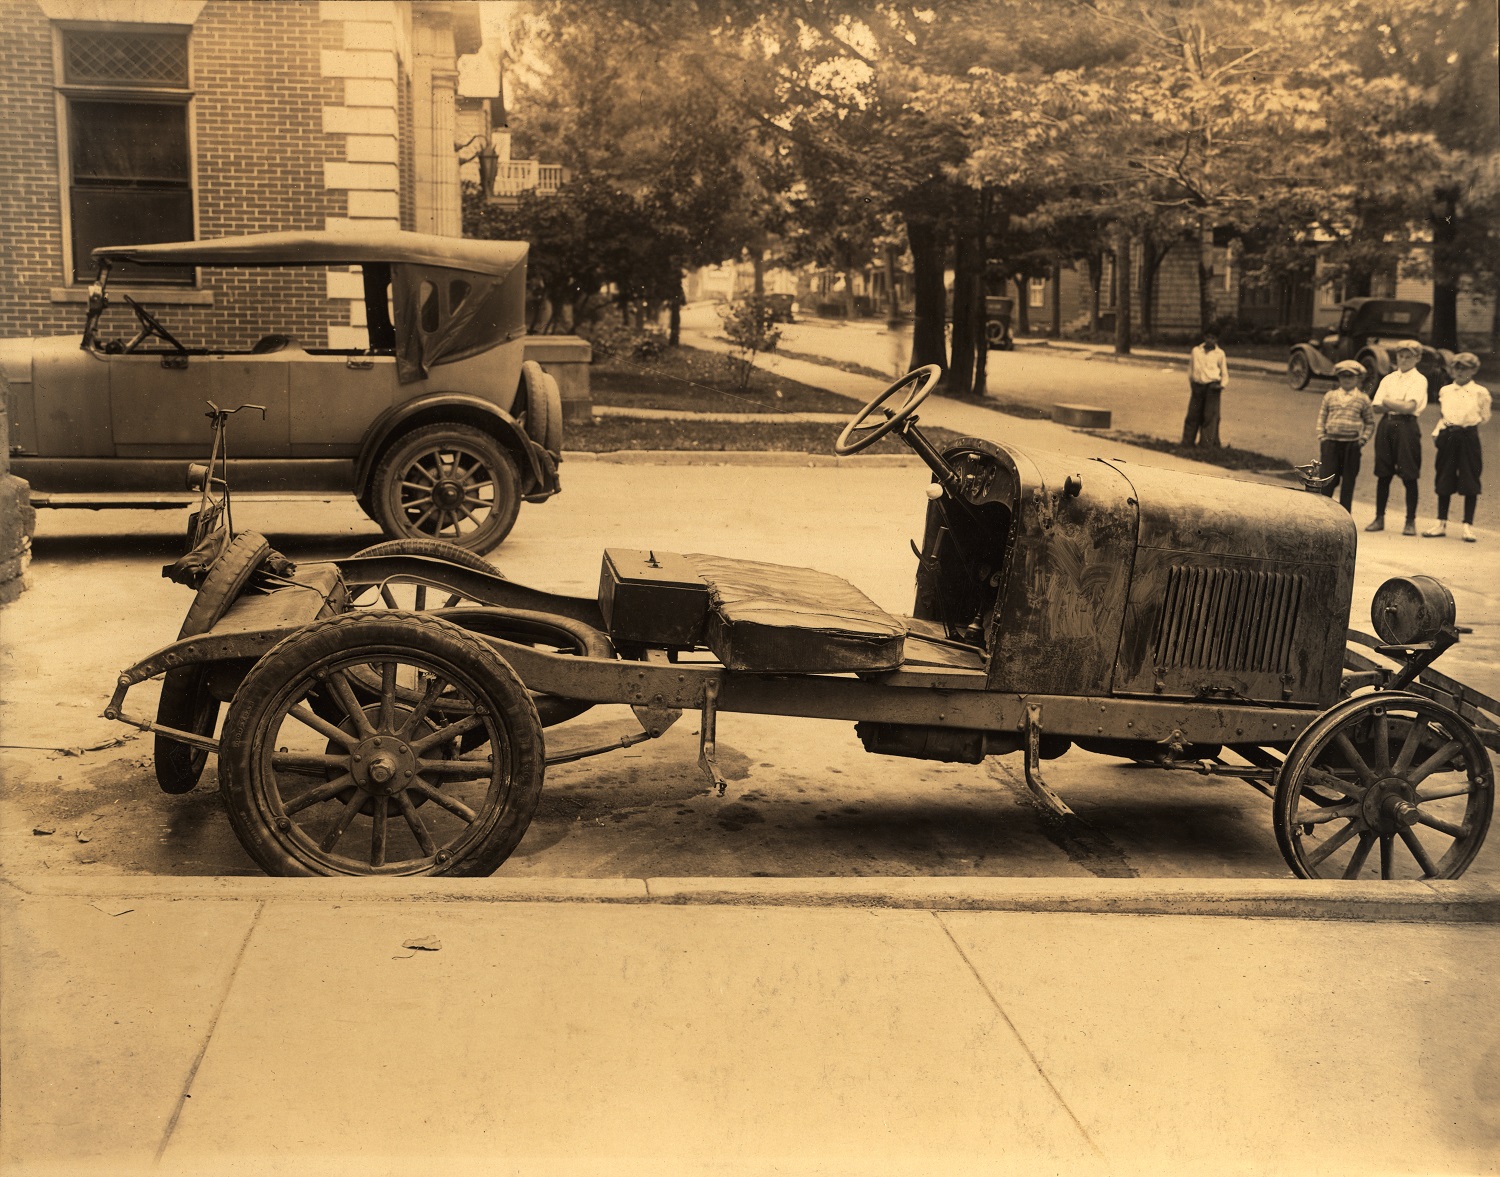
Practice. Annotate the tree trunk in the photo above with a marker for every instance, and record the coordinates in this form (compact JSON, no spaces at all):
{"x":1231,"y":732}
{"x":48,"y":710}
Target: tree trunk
{"x":929,"y":301}
{"x":892,"y":301}
{"x":1122,"y":297}
{"x":758,"y":270}
{"x":1205,"y":300}
{"x":968,"y":265}
{"x":1149,"y":261}
{"x":1445,"y":272}
{"x":1023,"y":305}
{"x":1096,"y":281}
{"x":674,"y":319}
{"x":1056,"y":300}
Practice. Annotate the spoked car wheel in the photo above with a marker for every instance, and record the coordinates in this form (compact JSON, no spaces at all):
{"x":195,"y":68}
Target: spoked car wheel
{"x":1388,"y":786}
{"x":447,"y":482}
{"x":438,"y":772}
{"x":396,"y":593}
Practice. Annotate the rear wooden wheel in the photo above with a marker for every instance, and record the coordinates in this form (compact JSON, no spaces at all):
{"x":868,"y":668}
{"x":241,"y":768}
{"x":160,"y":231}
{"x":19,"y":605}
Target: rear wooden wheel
{"x":438,"y":773}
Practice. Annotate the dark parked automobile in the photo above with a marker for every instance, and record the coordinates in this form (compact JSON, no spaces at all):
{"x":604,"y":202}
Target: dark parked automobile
{"x":1367,"y":330}
{"x":436,"y":426}
{"x":997,"y":313}
{"x":783,"y":307}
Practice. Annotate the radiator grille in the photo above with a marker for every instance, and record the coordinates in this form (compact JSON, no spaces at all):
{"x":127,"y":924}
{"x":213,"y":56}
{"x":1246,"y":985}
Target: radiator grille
{"x":1228,"y":619}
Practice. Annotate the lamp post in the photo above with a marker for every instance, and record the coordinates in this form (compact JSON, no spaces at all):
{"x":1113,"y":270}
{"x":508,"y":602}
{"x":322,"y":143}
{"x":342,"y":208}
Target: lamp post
{"x":489,"y":162}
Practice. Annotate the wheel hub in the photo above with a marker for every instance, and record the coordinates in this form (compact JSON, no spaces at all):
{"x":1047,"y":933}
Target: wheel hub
{"x":383,"y":765}
{"x":1387,"y":805}
{"x":448,"y":493}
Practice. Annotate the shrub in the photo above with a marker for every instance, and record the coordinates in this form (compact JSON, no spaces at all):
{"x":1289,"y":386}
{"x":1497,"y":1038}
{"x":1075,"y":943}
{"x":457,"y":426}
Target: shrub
{"x":749,"y":325}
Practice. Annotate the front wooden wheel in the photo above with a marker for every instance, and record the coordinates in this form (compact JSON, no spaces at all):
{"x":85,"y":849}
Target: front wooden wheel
{"x":436,"y":772}
{"x":1389,"y":772}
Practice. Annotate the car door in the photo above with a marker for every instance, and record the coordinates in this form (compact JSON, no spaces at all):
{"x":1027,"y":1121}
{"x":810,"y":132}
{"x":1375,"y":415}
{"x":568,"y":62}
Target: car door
{"x":334,"y":399}
{"x":158,"y":402}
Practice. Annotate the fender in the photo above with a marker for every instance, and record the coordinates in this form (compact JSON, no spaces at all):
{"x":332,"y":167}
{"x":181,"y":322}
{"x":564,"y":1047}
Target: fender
{"x":467,"y":409}
{"x":1317,"y":363}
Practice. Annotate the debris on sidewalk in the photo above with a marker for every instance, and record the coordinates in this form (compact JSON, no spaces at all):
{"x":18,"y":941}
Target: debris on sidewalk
{"x":44,"y":831}
{"x":419,"y":944}
{"x":111,"y":909}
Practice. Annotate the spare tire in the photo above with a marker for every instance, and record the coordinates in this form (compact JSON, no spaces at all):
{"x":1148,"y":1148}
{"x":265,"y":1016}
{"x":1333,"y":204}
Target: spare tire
{"x":543,"y":406}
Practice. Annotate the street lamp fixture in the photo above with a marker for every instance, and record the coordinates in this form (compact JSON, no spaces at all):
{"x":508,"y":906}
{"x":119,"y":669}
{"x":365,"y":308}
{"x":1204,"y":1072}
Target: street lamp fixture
{"x":489,"y":161}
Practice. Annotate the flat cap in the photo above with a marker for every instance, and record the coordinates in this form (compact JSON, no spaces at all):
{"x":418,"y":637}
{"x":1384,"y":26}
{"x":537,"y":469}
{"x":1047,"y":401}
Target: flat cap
{"x":1465,"y":359}
{"x":1349,"y":366}
{"x":1408,"y":345}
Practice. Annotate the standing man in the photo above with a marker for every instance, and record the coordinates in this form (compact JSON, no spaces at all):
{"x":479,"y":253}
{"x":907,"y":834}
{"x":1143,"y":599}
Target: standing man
{"x":1398,"y":401}
{"x":1208,"y":373}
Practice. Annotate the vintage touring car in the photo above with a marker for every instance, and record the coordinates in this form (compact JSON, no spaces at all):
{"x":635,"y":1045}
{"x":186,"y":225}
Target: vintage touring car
{"x":386,"y":713}
{"x":435,"y":423}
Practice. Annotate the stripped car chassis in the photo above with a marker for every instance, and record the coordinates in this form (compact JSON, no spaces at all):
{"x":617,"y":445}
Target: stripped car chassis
{"x":406,"y":701}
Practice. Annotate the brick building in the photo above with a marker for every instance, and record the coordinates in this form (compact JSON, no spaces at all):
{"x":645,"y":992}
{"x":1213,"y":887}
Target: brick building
{"x":161,"y":120}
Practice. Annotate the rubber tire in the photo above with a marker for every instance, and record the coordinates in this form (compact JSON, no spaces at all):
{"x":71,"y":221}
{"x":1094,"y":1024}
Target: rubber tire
{"x":1370,"y":381}
{"x":1298,"y":372}
{"x":385,"y":486}
{"x":185,"y":702}
{"x":186,"y":705}
{"x":226,"y":579}
{"x":295,"y":659}
{"x":553,"y":442}
{"x":437,"y":549}
{"x":516,"y":624}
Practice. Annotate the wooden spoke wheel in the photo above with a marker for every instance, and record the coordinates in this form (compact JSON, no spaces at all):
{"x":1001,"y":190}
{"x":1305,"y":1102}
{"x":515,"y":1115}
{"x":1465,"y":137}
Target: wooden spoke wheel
{"x":1387,"y":785}
{"x":320,"y":779}
{"x":399,"y":593}
{"x":447,"y":482}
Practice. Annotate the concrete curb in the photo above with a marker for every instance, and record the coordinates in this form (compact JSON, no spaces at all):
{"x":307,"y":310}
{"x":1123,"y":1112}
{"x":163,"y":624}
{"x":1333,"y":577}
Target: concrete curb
{"x":739,"y":458}
{"x":1264,"y":367}
{"x":1434,"y":902}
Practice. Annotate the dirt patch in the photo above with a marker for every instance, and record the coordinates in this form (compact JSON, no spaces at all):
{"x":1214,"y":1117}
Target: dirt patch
{"x":690,"y":380}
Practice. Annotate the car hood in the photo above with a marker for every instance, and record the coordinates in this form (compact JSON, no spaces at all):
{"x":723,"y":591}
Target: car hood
{"x":19,"y":356}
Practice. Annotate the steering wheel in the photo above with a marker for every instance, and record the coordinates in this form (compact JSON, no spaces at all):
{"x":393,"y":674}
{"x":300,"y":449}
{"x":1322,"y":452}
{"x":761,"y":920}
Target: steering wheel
{"x":149,"y":327}
{"x":921,"y":380}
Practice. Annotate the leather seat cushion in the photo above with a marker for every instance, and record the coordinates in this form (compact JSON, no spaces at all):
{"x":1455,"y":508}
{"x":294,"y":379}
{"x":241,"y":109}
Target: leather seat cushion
{"x":773,"y":619}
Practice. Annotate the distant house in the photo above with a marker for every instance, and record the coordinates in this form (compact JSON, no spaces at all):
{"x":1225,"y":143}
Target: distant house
{"x":160,"y":120}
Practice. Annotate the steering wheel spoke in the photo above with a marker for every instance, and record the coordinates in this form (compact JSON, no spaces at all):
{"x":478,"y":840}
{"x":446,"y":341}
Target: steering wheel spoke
{"x":149,"y":327}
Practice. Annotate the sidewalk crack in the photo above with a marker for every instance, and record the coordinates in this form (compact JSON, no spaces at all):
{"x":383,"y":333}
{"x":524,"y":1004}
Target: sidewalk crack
{"x":213,"y":1023}
{"x":1026,"y":1046}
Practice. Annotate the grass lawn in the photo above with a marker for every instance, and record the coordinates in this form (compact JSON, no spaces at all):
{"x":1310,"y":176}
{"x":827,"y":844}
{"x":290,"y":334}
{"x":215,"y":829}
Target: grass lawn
{"x":693,"y":381}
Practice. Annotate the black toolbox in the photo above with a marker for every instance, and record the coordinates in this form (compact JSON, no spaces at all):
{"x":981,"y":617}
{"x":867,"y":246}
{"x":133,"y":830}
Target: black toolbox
{"x":654,"y":598}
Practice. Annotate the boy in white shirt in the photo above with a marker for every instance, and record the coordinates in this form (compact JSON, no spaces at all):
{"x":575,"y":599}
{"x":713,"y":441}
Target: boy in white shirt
{"x":1398,"y":401}
{"x":1208,"y":373}
{"x":1460,"y":460}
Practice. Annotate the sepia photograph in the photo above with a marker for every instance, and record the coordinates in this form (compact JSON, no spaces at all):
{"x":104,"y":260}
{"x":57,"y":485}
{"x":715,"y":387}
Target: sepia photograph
{"x":749,"y":588}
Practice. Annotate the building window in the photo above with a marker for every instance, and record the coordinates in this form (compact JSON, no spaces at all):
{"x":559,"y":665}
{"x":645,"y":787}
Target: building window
{"x":1037,"y":292}
{"x":129,"y":152}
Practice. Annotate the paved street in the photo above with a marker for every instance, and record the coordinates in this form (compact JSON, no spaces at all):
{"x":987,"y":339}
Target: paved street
{"x":1145,"y":395}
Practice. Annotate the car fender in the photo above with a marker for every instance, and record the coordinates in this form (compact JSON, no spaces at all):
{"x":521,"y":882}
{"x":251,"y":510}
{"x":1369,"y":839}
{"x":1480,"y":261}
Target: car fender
{"x":464,"y":408}
{"x":1378,"y":358}
{"x":1317,"y":363}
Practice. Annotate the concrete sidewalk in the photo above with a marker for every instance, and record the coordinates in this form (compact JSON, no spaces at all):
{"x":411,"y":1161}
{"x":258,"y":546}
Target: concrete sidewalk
{"x":630,"y":1026}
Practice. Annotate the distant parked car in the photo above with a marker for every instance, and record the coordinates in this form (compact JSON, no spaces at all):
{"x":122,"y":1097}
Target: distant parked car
{"x":997,"y":313}
{"x":437,"y":427}
{"x":783,"y":307}
{"x":1368,"y":329}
